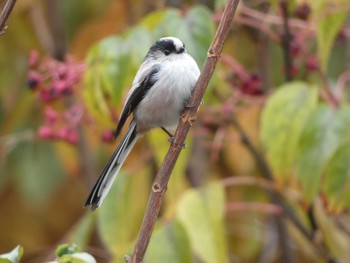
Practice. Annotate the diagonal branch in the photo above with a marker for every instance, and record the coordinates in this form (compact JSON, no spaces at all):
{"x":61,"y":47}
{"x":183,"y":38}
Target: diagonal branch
{"x":160,"y":183}
{"x":5,"y":15}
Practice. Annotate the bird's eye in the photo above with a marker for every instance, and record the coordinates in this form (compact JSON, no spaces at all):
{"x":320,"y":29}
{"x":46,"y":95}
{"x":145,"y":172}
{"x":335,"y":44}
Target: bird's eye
{"x":167,"y":52}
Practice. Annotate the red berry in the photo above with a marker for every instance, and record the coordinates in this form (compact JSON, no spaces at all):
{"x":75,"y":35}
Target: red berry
{"x":48,"y":94}
{"x":294,"y":49}
{"x":312,"y":63}
{"x":74,"y":114}
{"x":50,"y":115}
{"x":107,"y":136}
{"x":68,"y":134}
{"x":33,"y":59}
{"x":34,"y":79}
{"x":62,"y":71}
{"x":62,"y":87}
{"x":46,"y":132}
{"x":293,"y":70}
{"x":302,"y":11}
{"x":63,"y":132}
{"x":59,"y":85}
{"x":341,"y":37}
{"x":72,"y":137}
{"x":44,"y":95}
{"x":252,"y":85}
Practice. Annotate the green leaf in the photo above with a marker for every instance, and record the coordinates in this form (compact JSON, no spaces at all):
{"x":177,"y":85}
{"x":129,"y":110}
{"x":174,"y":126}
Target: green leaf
{"x":80,"y":257}
{"x":201,"y":27}
{"x":328,"y":24}
{"x":201,"y":211}
{"x":219,"y":5}
{"x":132,"y":40}
{"x":154,"y":19}
{"x":107,"y":74}
{"x":169,"y":243}
{"x":326,"y":129}
{"x":12,"y":257}
{"x":65,"y":249}
{"x":196,"y":29}
{"x":82,"y":230}
{"x":336,"y":240}
{"x":171,"y":23}
{"x":120,"y":216}
{"x":282,"y":122}
{"x":36,"y":158}
{"x":337,"y":179}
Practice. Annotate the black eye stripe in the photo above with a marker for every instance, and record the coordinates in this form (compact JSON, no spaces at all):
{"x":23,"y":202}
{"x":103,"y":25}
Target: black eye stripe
{"x":165,"y":46}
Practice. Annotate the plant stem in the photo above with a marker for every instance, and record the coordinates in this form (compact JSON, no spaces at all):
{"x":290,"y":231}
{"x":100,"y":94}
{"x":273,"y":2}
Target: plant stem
{"x":5,"y":15}
{"x":286,"y":39}
{"x":160,"y":183}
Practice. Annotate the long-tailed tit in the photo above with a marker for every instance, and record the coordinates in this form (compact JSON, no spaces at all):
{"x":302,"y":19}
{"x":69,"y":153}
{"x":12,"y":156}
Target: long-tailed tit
{"x":159,"y":93}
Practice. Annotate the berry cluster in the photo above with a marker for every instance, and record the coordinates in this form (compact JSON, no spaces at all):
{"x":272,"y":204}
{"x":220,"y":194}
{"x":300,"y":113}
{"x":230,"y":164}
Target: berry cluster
{"x":301,"y":45}
{"x":60,"y":127}
{"x":247,"y":83}
{"x":251,"y":85}
{"x":55,"y":82}
{"x":54,"y":79}
{"x":302,"y":11}
{"x":302,"y":58}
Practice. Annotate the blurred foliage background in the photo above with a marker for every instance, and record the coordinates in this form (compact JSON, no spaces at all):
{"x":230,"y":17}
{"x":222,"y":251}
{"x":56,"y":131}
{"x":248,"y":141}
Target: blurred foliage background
{"x":265,"y":176}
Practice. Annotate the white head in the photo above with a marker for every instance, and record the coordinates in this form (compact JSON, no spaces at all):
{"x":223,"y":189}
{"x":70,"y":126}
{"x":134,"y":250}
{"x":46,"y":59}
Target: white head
{"x":167,"y":46}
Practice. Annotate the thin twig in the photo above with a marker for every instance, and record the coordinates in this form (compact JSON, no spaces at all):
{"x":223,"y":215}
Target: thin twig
{"x":248,"y":180}
{"x":275,"y":19}
{"x":55,"y":23}
{"x":5,"y":15}
{"x":160,"y":183}
{"x":341,"y":84}
{"x":330,"y":97}
{"x":254,"y":206}
{"x":286,"y":40}
{"x":262,"y":27}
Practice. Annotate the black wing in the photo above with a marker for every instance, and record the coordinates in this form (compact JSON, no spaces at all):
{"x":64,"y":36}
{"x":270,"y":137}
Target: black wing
{"x":134,"y":99}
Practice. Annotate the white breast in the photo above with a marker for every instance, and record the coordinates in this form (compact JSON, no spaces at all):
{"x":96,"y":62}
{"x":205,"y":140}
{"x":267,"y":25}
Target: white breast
{"x":164,"y":102}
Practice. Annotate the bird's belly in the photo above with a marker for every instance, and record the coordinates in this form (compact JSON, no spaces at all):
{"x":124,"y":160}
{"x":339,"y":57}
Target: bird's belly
{"x":158,"y":113}
{"x":166,"y":99}
{"x":161,"y":107}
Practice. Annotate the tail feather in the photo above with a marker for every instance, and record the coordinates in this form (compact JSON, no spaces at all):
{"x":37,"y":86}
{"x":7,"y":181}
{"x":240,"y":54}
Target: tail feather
{"x":104,"y":183}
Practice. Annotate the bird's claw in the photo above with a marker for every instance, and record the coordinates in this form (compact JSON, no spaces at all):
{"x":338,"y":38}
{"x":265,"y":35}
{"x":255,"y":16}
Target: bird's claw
{"x":192,"y":106}
{"x":172,"y":141}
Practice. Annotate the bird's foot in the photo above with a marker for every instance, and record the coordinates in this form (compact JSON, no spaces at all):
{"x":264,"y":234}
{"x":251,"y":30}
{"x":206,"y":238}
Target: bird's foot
{"x":172,"y":141}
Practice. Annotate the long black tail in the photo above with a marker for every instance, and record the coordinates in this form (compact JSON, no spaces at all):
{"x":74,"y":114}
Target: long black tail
{"x":104,"y":182}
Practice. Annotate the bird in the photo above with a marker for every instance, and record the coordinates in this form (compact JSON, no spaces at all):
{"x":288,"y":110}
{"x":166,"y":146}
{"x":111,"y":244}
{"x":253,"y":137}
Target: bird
{"x":159,"y":93}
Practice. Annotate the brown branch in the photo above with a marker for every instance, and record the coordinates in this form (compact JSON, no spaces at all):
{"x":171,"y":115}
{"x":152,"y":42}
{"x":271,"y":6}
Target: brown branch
{"x":55,"y":23}
{"x":5,"y":15}
{"x":160,"y":183}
